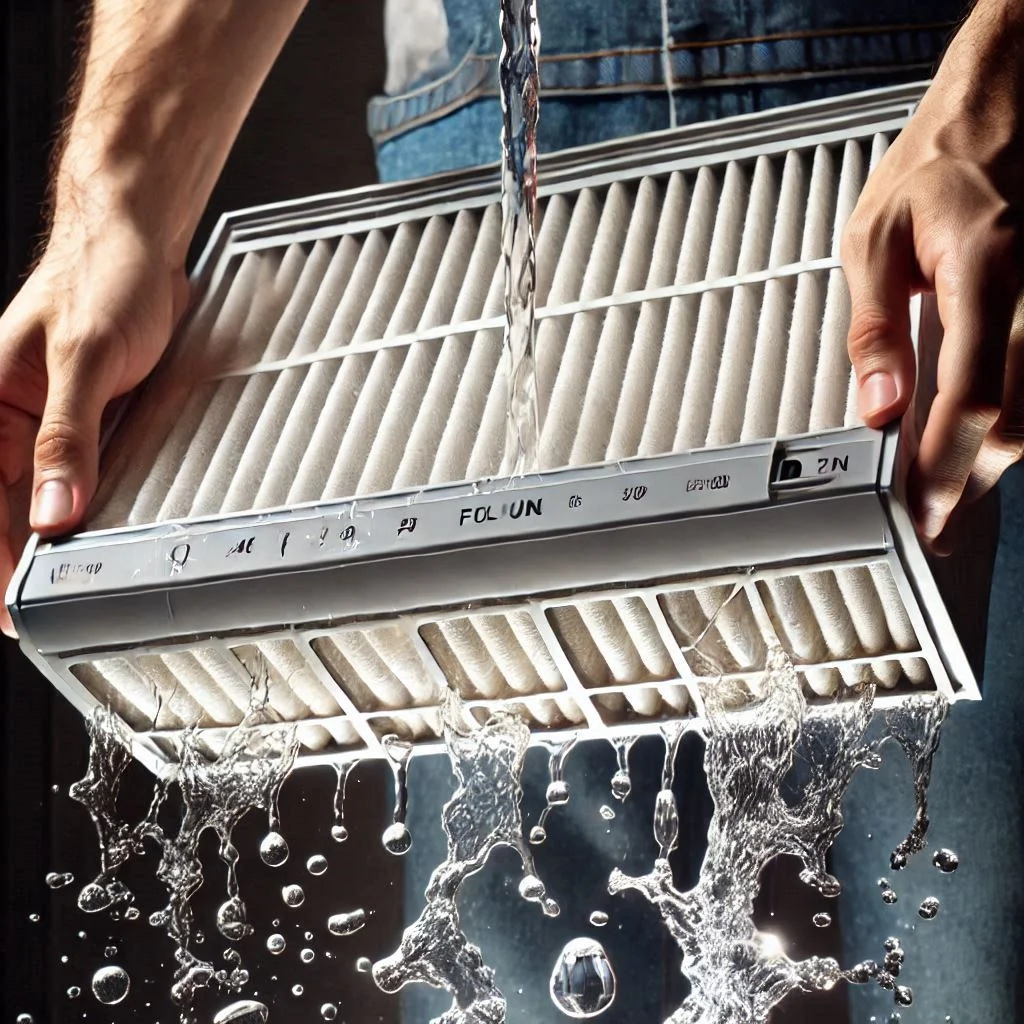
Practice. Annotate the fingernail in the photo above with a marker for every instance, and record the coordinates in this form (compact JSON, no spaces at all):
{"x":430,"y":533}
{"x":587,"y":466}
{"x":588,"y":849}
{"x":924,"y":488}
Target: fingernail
{"x":877,"y":392}
{"x":53,"y":505}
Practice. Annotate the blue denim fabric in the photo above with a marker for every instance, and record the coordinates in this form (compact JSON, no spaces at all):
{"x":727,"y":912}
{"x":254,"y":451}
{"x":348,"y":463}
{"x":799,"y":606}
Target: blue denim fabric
{"x":603,"y":70}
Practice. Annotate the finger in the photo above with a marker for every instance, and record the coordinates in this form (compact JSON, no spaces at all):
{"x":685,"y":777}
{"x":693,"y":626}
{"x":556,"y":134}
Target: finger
{"x":878,"y":261}
{"x":67,"y":446}
{"x":975,"y":300}
{"x":7,"y":564}
{"x":1003,"y":445}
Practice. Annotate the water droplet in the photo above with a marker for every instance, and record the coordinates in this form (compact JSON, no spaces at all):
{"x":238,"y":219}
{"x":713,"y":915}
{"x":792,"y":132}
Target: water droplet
{"x":94,"y":898}
{"x":74,"y":992}
{"x":293,"y":895}
{"x":885,"y":979}
{"x":666,"y":822}
{"x":903,"y":995}
{"x":55,"y":788}
{"x":328,"y":1011}
{"x":82,"y":935}
{"x":274,"y":849}
{"x":110,"y":951}
{"x":532,"y":888}
{"x":24,"y":1018}
{"x":862,"y":973}
{"x":621,"y":785}
{"x":307,"y":955}
{"x":929,"y":908}
{"x":537,"y":835}
{"x":558,"y":792}
{"x":158,"y":918}
{"x":583,"y":983}
{"x":276,"y":943}
{"x":892,"y":944}
{"x":346,"y":924}
{"x":551,"y":908}
{"x":317,"y":864}
{"x":364,"y":965}
{"x":898,"y":860}
{"x":598,"y":918}
{"x":34,"y":918}
{"x":339,"y":833}
{"x":607,"y":812}
{"x":245,"y":1011}
{"x":946,"y":861}
{"x":131,"y":914}
{"x":397,"y":839}
{"x":822,"y":920}
{"x":58,"y":879}
{"x":110,"y":984}
{"x":297,"y":990}
{"x":889,"y":896}
{"x":231,"y":922}
{"x":64,"y":959}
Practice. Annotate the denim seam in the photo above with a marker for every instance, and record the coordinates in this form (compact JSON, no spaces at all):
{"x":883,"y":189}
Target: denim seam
{"x":694,"y":65}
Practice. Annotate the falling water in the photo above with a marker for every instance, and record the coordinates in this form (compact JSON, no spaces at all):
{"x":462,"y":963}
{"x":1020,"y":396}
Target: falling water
{"x":397,"y":839}
{"x":339,"y":833}
{"x":216,"y":793}
{"x":738,"y":973}
{"x":482,"y":815}
{"x":558,"y":789}
{"x":519,"y":88}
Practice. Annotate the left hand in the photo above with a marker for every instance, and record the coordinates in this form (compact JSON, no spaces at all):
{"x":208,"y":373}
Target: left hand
{"x":942,"y":213}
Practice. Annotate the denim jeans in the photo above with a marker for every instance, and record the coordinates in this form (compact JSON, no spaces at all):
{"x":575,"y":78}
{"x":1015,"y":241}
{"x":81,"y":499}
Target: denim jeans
{"x":604,"y":75}
{"x":610,"y":69}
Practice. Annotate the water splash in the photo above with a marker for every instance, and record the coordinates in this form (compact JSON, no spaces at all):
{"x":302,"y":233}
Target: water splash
{"x":482,"y":815}
{"x":916,"y":725}
{"x":519,"y":89}
{"x":215,"y":793}
{"x":738,"y":973}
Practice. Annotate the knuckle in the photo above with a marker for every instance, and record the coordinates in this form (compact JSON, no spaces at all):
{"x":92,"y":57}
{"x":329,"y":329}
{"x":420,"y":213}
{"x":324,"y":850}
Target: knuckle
{"x":58,"y":443}
{"x":871,"y":329}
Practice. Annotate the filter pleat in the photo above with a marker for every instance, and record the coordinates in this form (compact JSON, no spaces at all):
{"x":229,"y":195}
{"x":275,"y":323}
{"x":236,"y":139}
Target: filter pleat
{"x":729,"y":394}
{"x":645,"y":345}
{"x":670,"y":376}
{"x":600,"y":395}
{"x":252,"y":475}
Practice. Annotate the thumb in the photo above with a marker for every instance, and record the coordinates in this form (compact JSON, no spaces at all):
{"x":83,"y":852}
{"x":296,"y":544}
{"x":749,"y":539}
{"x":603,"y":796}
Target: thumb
{"x":877,"y":261}
{"x":67,"y":445}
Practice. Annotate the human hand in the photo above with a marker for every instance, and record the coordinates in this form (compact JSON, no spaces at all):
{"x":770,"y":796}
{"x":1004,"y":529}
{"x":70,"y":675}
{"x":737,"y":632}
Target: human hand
{"x":88,"y":325}
{"x":942,"y":213}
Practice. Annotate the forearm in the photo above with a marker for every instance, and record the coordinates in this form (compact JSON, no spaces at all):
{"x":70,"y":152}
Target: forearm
{"x":165,"y":87}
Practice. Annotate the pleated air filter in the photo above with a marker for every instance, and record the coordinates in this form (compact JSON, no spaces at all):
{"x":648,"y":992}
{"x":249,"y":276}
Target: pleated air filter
{"x":307,"y":483}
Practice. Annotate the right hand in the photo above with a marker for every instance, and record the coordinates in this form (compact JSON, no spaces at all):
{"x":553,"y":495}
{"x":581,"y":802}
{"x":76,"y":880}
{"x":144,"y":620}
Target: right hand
{"x":88,"y":325}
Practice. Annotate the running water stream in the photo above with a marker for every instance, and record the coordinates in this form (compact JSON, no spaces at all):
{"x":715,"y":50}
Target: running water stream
{"x":519,"y":91}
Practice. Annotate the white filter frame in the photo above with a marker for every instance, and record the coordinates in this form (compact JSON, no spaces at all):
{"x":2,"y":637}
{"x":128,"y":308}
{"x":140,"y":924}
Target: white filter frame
{"x":310,"y":570}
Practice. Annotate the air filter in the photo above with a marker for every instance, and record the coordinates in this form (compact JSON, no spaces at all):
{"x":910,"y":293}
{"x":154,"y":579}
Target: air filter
{"x":306,"y":485}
